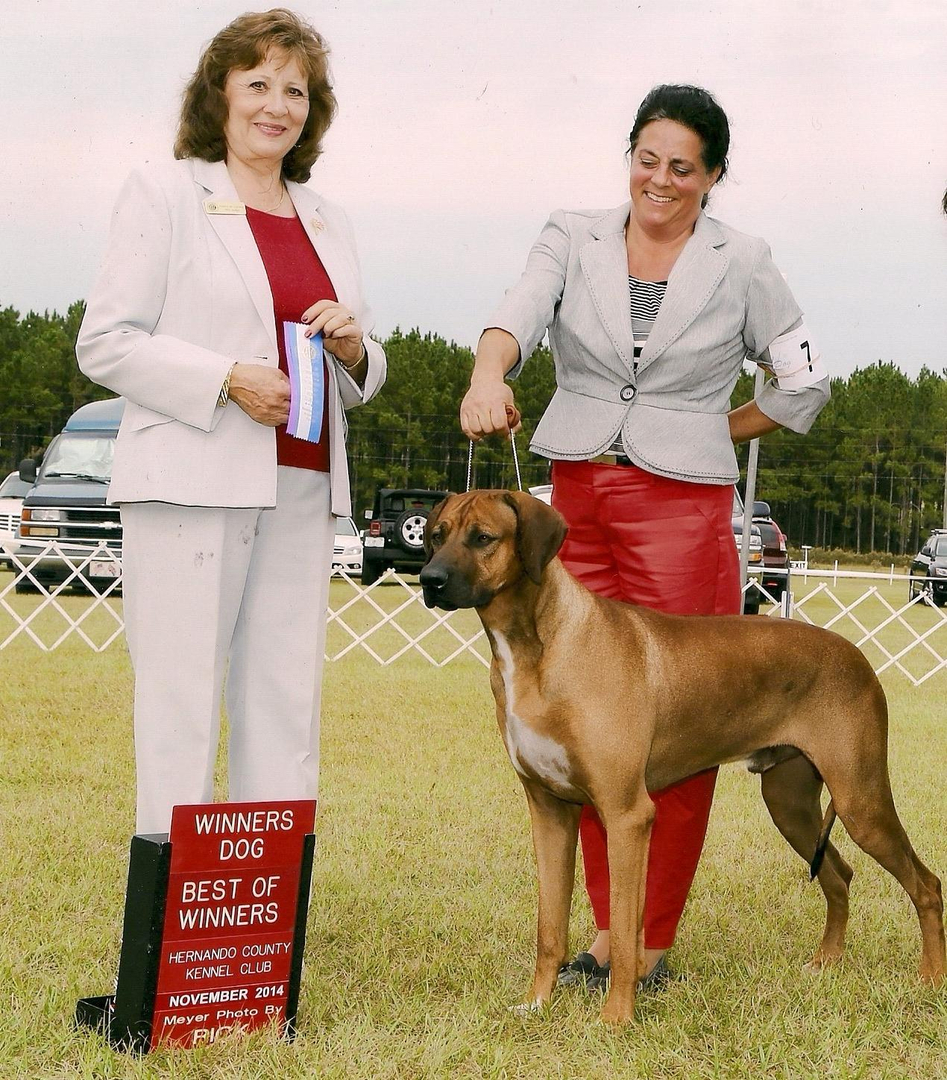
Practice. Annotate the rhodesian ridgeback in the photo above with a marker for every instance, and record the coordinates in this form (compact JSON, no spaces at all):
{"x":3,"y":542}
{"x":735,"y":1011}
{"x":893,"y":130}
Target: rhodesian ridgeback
{"x":599,"y":702}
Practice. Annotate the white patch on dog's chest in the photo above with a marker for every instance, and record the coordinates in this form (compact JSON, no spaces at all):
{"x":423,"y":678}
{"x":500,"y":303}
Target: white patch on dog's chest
{"x":528,"y":749}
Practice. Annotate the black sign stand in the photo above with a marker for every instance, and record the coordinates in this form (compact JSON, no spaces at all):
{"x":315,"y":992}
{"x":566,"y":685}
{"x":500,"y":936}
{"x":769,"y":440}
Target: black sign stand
{"x":125,"y":1018}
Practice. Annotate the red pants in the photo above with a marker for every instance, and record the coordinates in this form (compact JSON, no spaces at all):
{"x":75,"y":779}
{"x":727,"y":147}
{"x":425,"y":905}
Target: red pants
{"x":668,"y":545}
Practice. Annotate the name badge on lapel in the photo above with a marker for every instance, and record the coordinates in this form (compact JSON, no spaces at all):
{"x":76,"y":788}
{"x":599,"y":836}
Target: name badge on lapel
{"x":215,"y":206}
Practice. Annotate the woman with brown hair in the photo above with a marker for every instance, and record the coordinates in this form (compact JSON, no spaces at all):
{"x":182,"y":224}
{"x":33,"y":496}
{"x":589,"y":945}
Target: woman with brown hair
{"x":213,"y":262}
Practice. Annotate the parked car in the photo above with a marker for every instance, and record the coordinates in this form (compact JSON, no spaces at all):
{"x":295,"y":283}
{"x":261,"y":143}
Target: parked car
{"x":928,"y":572}
{"x":395,"y":534}
{"x":12,"y":492}
{"x":752,"y":597}
{"x":754,"y":566}
{"x":775,"y":573}
{"x":347,"y":551}
{"x":67,"y":502}
{"x":543,"y":492}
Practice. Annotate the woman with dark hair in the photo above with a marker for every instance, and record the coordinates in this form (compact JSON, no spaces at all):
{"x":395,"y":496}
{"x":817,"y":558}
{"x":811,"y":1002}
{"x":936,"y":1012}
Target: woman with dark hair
{"x":651,"y":309}
{"x":221,"y":267}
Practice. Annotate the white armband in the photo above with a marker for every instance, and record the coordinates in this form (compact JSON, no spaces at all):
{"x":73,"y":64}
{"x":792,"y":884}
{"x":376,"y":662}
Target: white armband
{"x":795,"y":360}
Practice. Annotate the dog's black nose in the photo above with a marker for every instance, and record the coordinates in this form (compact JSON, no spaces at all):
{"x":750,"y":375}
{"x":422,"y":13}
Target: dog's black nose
{"x":433,"y":577}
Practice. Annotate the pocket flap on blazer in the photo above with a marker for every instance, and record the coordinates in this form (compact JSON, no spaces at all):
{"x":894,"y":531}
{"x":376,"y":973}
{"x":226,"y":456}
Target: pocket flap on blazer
{"x":577,"y":425}
{"x":686,"y":445}
{"x":137,"y":417}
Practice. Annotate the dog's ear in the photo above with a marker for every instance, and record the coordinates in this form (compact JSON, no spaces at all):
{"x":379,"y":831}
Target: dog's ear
{"x":432,"y":520}
{"x":540,"y":532}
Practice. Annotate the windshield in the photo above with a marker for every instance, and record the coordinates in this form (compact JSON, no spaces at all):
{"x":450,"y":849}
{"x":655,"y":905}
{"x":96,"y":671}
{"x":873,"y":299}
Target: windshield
{"x":13,"y":487}
{"x":940,"y":546}
{"x":88,"y":456}
{"x":345,"y":527}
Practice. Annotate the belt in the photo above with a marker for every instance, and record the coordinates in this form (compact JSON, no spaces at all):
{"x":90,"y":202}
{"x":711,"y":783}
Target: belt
{"x":610,"y":459}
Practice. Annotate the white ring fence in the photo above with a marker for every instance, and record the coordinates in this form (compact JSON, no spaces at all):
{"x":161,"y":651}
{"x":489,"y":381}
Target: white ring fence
{"x":388,"y":620}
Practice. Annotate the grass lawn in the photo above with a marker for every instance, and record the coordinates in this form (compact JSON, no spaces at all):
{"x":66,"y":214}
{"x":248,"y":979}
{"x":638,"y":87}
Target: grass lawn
{"x":422,"y":923}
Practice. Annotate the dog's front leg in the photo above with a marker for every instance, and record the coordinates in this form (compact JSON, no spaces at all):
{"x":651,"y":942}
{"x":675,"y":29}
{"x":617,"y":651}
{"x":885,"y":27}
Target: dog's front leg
{"x":629,"y":834}
{"x":555,"y":831}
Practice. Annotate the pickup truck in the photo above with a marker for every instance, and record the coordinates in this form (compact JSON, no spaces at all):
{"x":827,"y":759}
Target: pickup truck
{"x":67,"y":505}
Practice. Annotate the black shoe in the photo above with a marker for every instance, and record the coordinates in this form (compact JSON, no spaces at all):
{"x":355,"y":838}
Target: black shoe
{"x":579,"y":971}
{"x":656,"y":979}
{"x":599,"y":981}
{"x":585,"y":971}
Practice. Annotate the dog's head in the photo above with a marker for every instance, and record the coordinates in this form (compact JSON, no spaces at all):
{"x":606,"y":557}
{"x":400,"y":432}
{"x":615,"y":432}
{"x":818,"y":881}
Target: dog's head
{"x":483,"y":542}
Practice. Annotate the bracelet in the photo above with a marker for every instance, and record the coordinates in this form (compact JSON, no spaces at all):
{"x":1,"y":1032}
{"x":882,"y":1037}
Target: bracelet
{"x":224,"y":396}
{"x":355,"y":363}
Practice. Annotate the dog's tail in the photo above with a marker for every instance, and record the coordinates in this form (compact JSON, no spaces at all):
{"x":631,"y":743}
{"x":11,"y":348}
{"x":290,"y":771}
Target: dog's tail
{"x":822,"y":843}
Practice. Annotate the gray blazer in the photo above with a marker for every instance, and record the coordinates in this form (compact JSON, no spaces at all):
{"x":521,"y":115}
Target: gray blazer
{"x":725,"y":300}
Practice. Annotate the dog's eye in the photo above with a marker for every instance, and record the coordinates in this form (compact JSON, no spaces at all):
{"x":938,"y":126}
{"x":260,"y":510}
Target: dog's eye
{"x":484,"y":538}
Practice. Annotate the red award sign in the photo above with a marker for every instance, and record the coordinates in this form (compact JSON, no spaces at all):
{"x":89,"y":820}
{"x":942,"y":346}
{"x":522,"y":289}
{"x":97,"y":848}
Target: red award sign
{"x":214,"y":926}
{"x":233,"y":889}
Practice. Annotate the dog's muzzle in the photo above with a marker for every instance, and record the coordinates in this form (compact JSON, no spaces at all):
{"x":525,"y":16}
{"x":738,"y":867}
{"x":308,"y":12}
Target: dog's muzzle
{"x":433,"y":580}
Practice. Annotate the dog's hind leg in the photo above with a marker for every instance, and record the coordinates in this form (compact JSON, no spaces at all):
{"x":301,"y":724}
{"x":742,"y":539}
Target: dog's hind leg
{"x":866,"y":809}
{"x":791,"y":791}
{"x":555,"y":832}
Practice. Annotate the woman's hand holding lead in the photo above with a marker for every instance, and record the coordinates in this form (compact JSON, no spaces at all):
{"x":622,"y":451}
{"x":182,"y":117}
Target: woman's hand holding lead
{"x":488,"y":408}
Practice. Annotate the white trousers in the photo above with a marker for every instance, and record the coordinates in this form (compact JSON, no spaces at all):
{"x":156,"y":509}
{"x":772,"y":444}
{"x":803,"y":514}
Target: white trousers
{"x":203,"y":585}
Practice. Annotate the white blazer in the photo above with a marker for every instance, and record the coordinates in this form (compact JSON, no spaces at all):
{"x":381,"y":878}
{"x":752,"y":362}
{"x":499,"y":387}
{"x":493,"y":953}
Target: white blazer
{"x":182,"y":295}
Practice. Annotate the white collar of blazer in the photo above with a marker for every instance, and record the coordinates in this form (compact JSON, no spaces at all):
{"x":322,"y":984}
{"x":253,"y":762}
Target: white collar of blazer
{"x":234,"y":233}
{"x":696,"y":274}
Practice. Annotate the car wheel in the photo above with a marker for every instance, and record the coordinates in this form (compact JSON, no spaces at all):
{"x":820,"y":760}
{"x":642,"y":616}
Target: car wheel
{"x":409,"y":529}
{"x":371,"y":571}
{"x":922,"y":586}
{"x":751,"y":601}
{"x":24,"y":585}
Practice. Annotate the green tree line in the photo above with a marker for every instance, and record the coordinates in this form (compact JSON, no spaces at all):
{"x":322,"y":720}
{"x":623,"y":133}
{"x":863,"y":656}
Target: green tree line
{"x":870,"y":476}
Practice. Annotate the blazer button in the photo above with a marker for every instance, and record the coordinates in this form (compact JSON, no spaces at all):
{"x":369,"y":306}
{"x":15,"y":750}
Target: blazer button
{"x":628,"y":393}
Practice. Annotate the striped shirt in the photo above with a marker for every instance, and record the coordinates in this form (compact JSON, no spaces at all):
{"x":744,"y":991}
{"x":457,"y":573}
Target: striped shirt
{"x":645,"y":300}
{"x":646,"y":297}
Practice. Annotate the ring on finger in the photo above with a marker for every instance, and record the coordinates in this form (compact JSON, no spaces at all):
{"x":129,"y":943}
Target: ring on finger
{"x":350,"y":317}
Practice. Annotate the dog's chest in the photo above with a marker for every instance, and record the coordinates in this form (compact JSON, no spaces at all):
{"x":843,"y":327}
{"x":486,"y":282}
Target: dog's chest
{"x":533,"y":754}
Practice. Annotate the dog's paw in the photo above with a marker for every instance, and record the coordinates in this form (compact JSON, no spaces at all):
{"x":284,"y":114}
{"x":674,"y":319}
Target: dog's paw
{"x":821,"y":961}
{"x":526,"y":1009}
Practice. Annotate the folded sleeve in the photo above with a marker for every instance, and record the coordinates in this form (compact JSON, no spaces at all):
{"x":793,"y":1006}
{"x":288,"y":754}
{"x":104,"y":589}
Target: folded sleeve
{"x":117,"y":346}
{"x":529,"y":306}
{"x":771,"y":310}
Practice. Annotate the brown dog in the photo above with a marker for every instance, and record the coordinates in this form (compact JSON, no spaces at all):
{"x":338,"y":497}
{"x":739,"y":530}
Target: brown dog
{"x":599,"y":701}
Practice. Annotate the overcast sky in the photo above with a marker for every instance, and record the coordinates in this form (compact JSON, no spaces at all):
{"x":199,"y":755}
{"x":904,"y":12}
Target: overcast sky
{"x":461,"y":125}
